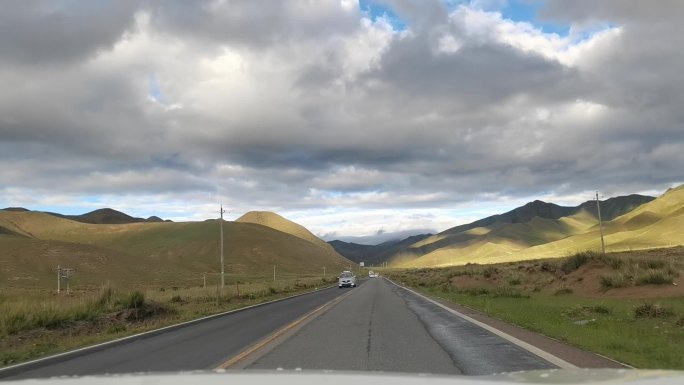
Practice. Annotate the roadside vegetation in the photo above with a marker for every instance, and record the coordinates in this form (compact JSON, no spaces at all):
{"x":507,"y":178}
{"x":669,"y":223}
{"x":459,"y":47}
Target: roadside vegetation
{"x":628,"y":306}
{"x":34,"y":323}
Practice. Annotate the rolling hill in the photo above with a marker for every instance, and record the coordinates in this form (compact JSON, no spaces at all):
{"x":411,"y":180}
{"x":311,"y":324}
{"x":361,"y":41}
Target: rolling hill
{"x":632,"y":221}
{"x":277,"y":222}
{"x":32,"y":244}
{"x":106,"y":216}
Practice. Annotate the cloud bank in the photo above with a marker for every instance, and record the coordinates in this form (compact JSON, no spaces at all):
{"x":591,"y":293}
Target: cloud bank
{"x":334,"y":116}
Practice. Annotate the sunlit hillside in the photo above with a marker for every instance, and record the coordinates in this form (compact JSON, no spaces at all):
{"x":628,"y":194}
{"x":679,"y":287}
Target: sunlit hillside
{"x":657,"y":223}
{"x":32,"y":244}
{"x":275,"y":221}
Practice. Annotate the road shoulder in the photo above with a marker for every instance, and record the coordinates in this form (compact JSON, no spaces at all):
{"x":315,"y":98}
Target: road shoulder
{"x":571,"y":354}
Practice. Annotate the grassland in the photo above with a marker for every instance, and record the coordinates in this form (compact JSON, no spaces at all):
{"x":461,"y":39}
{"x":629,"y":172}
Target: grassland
{"x":35,"y":323}
{"x":639,"y":321}
{"x":148,"y":254}
{"x":139,"y":276}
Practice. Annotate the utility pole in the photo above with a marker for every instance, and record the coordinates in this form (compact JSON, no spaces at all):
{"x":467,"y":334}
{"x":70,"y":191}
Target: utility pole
{"x":204,"y":280}
{"x":323,"y":272}
{"x":273,"y":273}
{"x":598,"y":209}
{"x":59,"y":278}
{"x":223,"y":283}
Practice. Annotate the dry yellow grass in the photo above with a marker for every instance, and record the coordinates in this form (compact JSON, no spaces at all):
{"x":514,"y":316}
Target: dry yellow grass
{"x":171,"y":254}
{"x":277,"y":222}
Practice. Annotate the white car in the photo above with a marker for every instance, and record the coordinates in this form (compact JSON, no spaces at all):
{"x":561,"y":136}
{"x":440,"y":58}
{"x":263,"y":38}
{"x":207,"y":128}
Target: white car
{"x":372,"y":274}
{"x":346,"y":278}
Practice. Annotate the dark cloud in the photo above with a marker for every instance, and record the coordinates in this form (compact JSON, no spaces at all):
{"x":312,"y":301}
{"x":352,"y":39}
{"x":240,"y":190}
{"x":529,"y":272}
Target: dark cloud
{"x":307,"y":106}
{"x":36,"y":32}
{"x":250,"y":23}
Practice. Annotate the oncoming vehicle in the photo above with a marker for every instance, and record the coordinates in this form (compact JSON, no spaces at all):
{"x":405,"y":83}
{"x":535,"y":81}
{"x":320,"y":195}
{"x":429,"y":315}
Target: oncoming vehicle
{"x":346,"y":278}
{"x":372,"y":274}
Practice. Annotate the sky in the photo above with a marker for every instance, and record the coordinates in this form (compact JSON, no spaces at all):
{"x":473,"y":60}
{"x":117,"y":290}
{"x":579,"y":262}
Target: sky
{"x":361,"y":120}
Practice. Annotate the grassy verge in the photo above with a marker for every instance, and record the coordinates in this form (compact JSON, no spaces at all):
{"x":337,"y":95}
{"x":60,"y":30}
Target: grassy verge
{"x":38,"y":323}
{"x":645,"y":333}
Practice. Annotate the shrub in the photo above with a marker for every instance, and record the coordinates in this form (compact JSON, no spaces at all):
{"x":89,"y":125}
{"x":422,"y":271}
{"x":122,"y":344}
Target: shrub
{"x":116,"y":329}
{"x":655,"y":277}
{"x":514,"y":281}
{"x":583,"y":311}
{"x":474,"y":291}
{"x":15,"y":323}
{"x":649,"y":310}
{"x":575,"y":261}
{"x":680,"y":321}
{"x":598,"y":309}
{"x":548,"y":267}
{"x":489,"y":271}
{"x":176,"y":299}
{"x":610,"y":260}
{"x":655,"y":264}
{"x":272,"y":290}
{"x":506,"y":292}
{"x":132,"y":300}
{"x":106,"y":296}
{"x":563,"y":291}
{"x":614,"y":281}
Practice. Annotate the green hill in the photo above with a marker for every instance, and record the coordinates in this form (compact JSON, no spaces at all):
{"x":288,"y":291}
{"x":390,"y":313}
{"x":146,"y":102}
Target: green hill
{"x":32,"y":244}
{"x":536,"y":225}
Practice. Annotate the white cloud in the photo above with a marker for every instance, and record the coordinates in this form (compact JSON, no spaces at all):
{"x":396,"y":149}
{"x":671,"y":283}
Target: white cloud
{"x":305,"y":107}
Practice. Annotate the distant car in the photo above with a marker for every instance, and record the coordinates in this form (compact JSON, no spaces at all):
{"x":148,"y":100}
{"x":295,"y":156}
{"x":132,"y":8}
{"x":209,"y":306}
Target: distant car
{"x":372,"y":274}
{"x":346,"y":278}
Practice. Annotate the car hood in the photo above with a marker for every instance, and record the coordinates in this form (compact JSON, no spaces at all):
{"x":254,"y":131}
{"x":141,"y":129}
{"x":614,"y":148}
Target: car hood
{"x":298,"y":377}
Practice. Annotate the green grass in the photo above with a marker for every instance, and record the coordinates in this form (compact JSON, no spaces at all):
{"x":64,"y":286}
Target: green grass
{"x":536,"y":295}
{"x":643,"y":342}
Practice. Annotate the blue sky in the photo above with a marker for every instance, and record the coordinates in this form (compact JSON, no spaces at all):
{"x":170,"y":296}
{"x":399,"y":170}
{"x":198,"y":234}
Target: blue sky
{"x":516,"y":10}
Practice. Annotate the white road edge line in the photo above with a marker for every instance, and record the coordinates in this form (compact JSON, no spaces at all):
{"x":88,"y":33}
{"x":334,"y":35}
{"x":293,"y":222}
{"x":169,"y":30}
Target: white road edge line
{"x":136,"y":336}
{"x":530,"y":348}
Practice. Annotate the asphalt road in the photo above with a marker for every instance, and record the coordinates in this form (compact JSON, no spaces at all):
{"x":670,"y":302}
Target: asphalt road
{"x":383,"y":327}
{"x":377,"y":326}
{"x":199,"y":346}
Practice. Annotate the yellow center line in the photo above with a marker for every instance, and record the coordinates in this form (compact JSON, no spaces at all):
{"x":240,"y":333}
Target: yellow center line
{"x":235,"y":359}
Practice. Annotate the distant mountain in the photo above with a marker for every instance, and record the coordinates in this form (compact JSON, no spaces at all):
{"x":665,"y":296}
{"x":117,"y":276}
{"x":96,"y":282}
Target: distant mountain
{"x":658,"y":223}
{"x":353,"y":251}
{"x":535,"y":223}
{"x":373,"y":255}
{"x":610,"y":209}
{"x":106,"y":216}
{"x":18,"y":209}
